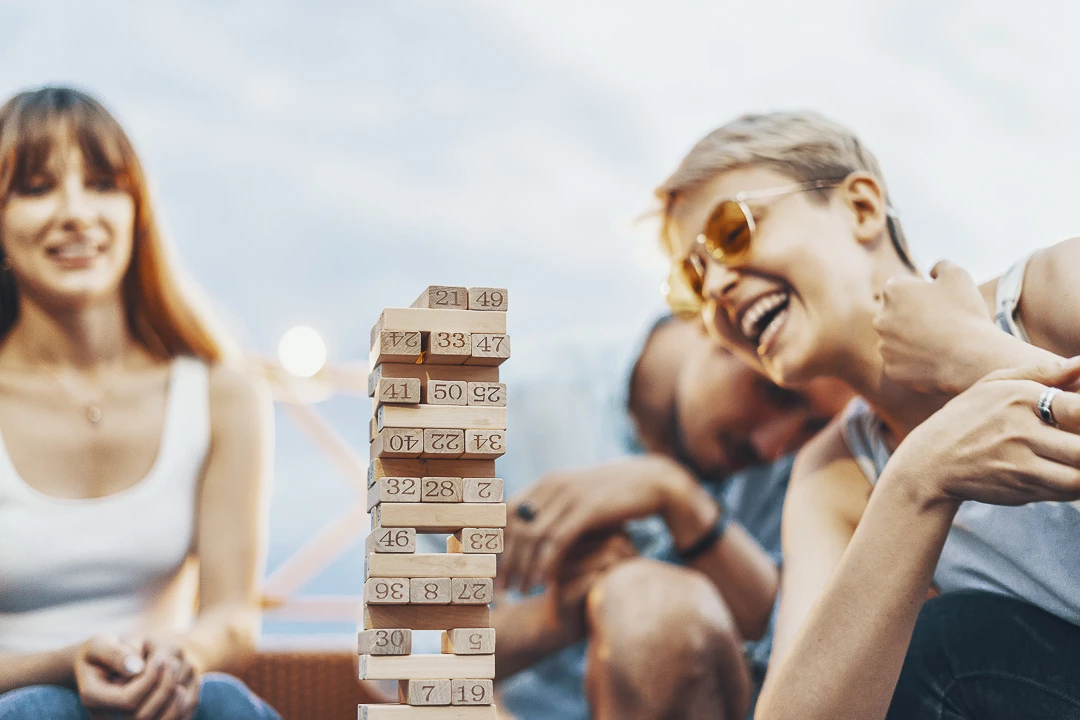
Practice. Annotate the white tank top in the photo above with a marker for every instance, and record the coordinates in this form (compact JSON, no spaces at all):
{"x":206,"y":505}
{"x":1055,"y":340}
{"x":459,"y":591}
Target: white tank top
{"x":123,"y":563}
{"x":1028,"y":552}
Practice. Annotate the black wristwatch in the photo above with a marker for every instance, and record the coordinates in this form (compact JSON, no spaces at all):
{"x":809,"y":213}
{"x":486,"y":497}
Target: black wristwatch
{"x":706,"y":541}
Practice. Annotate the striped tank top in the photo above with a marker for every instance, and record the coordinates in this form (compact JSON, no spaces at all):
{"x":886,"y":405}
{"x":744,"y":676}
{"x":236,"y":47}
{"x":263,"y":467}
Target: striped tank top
{"x":1030,"y":553}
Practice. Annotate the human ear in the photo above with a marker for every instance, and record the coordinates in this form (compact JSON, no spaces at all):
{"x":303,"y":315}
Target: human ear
{"x":865,"y":199}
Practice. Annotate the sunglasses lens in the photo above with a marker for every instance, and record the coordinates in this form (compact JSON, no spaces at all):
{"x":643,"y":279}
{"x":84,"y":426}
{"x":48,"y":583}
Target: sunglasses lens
{"x":727,"y":233}
{"x":684,"y":287}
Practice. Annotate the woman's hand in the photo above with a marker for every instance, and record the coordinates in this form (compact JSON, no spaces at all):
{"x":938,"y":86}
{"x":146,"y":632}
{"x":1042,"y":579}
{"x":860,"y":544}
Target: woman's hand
{"x":175,"y":695}
{"x":568,"y":505}
{"x":928,"y":329}
{"x":989,"y":445}
{"x":112,"y":675}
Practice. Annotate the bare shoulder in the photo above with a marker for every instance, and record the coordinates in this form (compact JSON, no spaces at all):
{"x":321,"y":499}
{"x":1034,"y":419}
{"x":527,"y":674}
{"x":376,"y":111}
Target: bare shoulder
{"x":236,"y":399}
{"x":1051,"y":297}
{"x":826,"y":476}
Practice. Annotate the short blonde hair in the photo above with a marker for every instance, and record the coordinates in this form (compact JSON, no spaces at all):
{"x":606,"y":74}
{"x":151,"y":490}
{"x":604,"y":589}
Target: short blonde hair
{"x":804,"y":145}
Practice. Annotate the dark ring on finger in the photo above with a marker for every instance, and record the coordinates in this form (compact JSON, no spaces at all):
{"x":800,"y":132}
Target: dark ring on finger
{"x":526,"y":511}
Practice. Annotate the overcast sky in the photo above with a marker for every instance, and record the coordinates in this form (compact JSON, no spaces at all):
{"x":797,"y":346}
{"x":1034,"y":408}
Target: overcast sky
{"x":315,"y":162}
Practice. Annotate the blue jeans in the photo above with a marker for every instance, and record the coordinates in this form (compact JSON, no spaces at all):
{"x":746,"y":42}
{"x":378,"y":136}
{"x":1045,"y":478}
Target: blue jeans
{"x":980,"y":656}
{"x":221,"y":697}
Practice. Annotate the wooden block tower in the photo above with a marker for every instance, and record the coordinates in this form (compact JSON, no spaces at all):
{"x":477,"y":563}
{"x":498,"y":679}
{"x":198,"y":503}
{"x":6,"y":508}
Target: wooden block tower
{"x":439,"y":423}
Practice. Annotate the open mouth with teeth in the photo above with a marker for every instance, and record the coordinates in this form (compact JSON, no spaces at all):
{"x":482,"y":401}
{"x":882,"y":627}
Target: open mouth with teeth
{"x":762,"y":321}
{"x":76,"y":251}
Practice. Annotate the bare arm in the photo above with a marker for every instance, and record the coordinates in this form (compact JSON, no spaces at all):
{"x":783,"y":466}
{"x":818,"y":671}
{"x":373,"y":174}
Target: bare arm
{"x":571,"y":504}
{"x":961,"y":344}
{"x":56,"y":667}
{"x":231,"y":538}
{"x":986,"y":445}
{"x":526,"y":633}
{"x":741,"y":570}
{"x":826,"y":498}
{"x":530,"y":630}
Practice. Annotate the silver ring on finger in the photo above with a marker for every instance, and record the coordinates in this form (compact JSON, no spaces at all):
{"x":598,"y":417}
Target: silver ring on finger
{"x":1045,"y":406}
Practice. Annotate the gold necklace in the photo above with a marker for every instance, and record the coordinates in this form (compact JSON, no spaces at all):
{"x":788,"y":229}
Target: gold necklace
{"x":92,"y":407}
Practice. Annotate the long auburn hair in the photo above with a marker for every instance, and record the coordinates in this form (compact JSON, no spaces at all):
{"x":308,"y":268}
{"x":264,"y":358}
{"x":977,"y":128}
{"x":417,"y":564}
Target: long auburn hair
{"x":161,"y":315}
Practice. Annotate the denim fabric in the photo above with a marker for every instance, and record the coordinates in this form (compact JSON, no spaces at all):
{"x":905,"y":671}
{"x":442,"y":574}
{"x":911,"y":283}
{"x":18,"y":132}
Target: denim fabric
{"x":221,"y":697}
{"x":977,"y":655}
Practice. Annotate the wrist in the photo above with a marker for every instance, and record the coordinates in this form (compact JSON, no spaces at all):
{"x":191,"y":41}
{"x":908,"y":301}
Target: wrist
{"x":688,"y":510}
{"x":922,"y":486}
{"x":981,"y":354}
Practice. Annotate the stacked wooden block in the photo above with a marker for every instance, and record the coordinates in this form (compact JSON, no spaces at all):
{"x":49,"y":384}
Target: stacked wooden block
{"x":439,"y":423}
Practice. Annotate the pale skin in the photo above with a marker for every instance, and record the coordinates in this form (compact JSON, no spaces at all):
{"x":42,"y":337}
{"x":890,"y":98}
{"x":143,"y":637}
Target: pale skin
{"x":69,"y":244}
{"x":907,"y":345}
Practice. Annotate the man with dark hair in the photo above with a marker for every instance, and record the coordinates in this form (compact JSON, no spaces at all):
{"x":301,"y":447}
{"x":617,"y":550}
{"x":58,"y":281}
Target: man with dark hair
{"x":682,"y":627}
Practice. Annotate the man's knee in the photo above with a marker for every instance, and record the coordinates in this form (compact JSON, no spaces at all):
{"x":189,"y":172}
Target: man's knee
{"x":42,"y":701}
{"x":649,"y":607}
{"x":223,"y":697}
{"x":662,"y":635}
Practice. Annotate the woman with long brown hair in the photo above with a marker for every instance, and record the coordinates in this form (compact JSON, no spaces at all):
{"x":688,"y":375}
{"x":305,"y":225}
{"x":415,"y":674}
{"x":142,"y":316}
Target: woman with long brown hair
{"x":134,"y":460}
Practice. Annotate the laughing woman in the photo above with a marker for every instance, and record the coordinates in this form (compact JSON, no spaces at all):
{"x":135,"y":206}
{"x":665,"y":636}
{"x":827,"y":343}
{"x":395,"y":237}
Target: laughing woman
{"x":781,"y":230}
{"x":133,"y":463}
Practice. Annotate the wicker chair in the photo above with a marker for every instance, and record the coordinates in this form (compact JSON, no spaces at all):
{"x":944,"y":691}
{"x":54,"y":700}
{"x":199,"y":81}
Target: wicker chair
{"x":310,"y":685}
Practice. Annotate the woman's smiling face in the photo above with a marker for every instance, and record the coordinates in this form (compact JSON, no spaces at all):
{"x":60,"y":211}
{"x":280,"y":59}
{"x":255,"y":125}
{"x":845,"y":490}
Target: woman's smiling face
{"x":797,"y":301}
{"x":67,"y":230}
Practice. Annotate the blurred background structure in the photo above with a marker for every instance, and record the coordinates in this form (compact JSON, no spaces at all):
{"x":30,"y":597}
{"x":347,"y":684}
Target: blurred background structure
{"x":315,"y":162}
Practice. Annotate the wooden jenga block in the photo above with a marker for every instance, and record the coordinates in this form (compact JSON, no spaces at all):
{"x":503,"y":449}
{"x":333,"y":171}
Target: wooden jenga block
{"x":430,"y":565}
{"x":476,"y":540}
{"x":387,"y":590}
{"x":372,"y":429}
{"x":395,"y":489}
{"x":489,"y":394}
{"x":392,"y":540}
{"x":447,"y":392}
{"x":443,"y":297}
{"x":390,"y":641}
{"x":408,"y":712}
{"x":471,"y":590}
{"x":481,"y":444}
{"x":398,"y":442}
{"x":396,"y":346}
{"x":426,"y":617}
{"x":482,"y":490}
{"x":419,"y":667}
{"x":448,"y":348}
{"x":427,"y":320}
{"x":429,"y":591}
{"x":460,"y":417}
{"x":440,"y":517}
{"x":443,"y":443}
{"x":426,"y":373}
{"x":494,"y":299}
{"x":424,"y":692}
{"x":468,"y":641}
{"x":471,"y":692}
{"x":441,"y":489}
{"x":397,"y":467}
{"x":489,"y":349}
{"x":400,"y":391}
